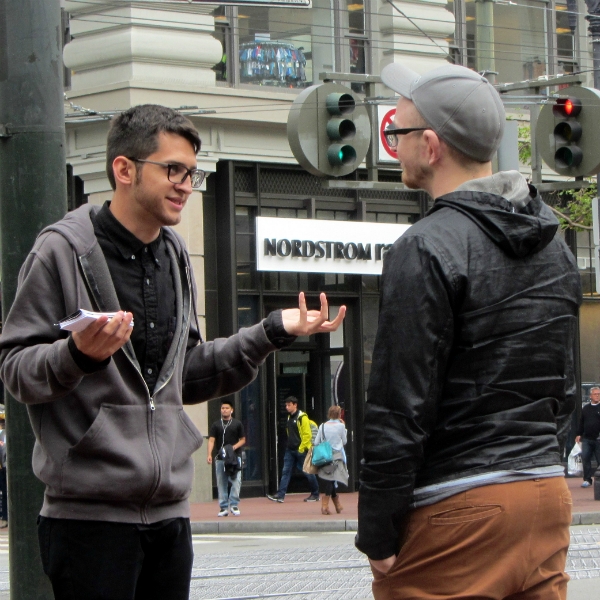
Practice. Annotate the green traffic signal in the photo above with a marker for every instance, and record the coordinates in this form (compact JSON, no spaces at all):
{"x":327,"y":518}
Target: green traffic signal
{"x":340,"y":155}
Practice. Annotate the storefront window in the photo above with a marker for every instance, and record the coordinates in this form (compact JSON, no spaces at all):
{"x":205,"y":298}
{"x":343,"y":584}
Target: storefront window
{"x":284,"y":47}
{"x":356,"y":40}
{"x":566,"y":24}
{"x":507,"y":38}
{"x":222,"y":33}
{"x":586,"y":262}
{"x":245,"y":250}
{"x":250,"y":399}
{"x":288,"y":48}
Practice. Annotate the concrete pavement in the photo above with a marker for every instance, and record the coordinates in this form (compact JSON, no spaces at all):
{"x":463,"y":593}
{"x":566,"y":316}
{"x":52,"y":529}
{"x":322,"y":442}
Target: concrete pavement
{"x":260,"y":515}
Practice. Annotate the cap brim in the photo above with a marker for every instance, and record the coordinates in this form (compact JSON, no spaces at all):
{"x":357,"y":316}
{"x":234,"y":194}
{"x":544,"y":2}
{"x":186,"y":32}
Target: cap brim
{"x":399,"y":78}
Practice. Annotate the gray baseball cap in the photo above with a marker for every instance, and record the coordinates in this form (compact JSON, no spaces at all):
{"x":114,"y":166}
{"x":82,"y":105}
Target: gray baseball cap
{"x":462,"y":107}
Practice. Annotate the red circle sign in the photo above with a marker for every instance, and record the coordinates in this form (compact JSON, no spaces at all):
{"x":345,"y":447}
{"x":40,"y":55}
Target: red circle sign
{"x":388,"y":119}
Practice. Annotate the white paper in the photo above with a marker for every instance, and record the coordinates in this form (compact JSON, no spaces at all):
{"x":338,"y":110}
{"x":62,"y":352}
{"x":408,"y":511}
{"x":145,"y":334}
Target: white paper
{"x":79,"y":320}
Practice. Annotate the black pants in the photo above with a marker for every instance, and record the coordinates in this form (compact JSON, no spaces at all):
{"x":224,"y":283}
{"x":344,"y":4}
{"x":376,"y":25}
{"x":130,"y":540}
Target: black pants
{"x":99,"y":560}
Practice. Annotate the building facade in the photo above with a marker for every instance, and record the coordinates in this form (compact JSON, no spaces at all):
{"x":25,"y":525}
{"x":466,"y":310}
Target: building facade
{"x":240,"y":68}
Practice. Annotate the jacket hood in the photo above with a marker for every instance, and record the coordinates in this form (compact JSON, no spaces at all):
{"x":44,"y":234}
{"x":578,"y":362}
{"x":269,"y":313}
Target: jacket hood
{"x":77,"y":227}
{"x":508,"y":210}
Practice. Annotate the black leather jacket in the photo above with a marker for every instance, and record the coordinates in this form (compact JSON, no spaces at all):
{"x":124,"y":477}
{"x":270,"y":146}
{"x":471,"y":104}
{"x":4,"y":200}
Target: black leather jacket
{"x":472,"y":368}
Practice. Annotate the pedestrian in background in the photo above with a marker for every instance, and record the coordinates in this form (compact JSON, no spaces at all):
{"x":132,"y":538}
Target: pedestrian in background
{"x":588,"y":433}
{"x":228,"y":433}
{"x":299,"y":441}
{"x":334,"y":431}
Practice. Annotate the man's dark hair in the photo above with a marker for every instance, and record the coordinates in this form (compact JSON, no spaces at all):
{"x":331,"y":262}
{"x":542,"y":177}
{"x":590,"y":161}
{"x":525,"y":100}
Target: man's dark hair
{"x":135,"y":133}
{"x":291,"y":399}
{"x":228,"y":402}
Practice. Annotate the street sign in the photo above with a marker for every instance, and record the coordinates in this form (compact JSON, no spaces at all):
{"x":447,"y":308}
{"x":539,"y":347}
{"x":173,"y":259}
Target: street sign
{"x":568,"y":132}
{"x":329,"y":130}
{"x":385,"y":118}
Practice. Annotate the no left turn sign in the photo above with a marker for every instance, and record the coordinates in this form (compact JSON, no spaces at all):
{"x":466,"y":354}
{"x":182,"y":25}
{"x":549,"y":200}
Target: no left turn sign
{"x":386,"y":118}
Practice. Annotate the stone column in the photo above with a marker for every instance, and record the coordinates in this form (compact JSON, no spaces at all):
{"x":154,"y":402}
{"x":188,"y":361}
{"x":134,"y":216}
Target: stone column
{"x":414,"y":33}
{"x":141,"y":42}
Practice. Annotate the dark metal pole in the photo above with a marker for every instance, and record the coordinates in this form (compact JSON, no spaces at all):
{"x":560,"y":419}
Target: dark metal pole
{"x":33,"y":194}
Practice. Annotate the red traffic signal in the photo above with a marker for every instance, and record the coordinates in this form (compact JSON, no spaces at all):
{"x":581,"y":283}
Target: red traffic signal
{"x":567,"y":107}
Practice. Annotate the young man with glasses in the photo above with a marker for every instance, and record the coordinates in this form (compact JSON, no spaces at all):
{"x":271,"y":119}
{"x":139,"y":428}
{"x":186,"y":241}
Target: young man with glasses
{"x":462,"y":491}
{"x":113,"y":443}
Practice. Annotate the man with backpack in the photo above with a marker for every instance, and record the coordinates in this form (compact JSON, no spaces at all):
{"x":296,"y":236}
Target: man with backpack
{"x":298,"y":443}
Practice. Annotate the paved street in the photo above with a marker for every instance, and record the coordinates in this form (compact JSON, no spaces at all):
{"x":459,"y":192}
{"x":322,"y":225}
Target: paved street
{"x":317,"y":566}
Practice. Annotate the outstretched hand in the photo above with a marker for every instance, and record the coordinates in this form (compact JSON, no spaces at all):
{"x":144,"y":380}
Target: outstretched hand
{"x":301,"y":321}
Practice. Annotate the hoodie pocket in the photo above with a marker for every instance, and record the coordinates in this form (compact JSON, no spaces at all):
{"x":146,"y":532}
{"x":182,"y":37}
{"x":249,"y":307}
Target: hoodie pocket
{"x":177,"y":439}
{"x":113,"y":461}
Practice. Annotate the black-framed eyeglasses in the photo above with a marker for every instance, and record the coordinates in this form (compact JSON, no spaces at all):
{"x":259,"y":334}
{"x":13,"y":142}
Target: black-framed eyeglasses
{"x":391,"y":134}
{"x":177,"y":173}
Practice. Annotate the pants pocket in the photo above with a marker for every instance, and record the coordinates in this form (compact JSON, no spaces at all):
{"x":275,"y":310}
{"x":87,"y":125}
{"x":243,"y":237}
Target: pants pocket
{"x":465,"y":514}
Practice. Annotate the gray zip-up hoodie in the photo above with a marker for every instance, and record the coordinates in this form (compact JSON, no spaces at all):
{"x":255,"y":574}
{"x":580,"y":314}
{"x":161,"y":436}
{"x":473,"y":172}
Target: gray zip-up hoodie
{"x":105,"y":448}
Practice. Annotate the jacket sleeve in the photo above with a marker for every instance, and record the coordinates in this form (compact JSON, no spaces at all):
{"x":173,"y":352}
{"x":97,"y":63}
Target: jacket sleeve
{"x":36,"y":364}
{"x":413,"y":342}
{"x":305,"y":434}
{"x":225,"y":365}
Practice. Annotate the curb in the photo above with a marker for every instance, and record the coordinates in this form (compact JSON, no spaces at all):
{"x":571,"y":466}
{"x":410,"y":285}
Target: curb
{"x":237,"y":526}
{"x":587,"y":518}
{"x":234,"y":525}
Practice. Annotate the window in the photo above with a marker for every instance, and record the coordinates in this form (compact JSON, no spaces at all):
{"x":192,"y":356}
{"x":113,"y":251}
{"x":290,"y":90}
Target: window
{"x":288,"y":48}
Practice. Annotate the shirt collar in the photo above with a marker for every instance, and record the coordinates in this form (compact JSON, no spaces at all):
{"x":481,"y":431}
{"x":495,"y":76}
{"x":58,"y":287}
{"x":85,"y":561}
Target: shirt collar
{"x":124,"y":241}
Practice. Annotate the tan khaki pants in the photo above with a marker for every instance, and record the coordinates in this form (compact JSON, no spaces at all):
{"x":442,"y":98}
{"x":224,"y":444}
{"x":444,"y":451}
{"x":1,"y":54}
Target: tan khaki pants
{"x":495,"y":542}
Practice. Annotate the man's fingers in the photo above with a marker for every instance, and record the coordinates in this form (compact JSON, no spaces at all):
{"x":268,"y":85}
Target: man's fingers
{"x":302,"y":306}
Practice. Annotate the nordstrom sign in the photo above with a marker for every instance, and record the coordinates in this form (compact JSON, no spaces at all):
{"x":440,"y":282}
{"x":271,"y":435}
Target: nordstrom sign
{"x":323,"y":246}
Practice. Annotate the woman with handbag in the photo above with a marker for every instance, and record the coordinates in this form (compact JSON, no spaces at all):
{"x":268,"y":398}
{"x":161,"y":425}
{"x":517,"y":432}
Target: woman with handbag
{"x":334,"y":432}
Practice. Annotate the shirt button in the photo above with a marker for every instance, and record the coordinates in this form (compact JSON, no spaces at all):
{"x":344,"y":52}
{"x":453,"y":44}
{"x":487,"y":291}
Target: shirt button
{"x":149,"y":371}
{"x":146,"y":249}
{"x":148,"y":281}
{"x":151,"y":325}
{"x":133,"y":257}
{"x":156,"y":261}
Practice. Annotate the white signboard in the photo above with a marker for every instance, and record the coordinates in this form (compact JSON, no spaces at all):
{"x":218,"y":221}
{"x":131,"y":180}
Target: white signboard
{"x":322,"y":246}
{"x":385,"y":114}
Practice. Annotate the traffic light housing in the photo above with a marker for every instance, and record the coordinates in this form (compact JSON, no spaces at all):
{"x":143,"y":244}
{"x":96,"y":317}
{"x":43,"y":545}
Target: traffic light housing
{"x":568,"y":132}
{"x":329,"y":130}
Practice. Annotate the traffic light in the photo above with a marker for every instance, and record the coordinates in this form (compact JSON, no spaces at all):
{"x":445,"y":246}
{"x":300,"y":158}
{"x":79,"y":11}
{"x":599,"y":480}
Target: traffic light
{"x":568,"y":132}
{"x":329,"y":130}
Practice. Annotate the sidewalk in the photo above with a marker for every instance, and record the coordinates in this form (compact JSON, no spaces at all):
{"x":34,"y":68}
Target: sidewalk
{"x":260,"y":515}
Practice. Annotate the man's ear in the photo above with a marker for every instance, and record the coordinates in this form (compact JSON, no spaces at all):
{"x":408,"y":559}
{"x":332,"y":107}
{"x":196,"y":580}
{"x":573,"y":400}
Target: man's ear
{"x":124,"y":170}
{"x":434,"y":146}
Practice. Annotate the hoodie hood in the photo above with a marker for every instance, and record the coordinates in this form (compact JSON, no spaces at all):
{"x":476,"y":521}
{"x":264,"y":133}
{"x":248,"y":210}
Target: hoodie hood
{"x":508,"y":210}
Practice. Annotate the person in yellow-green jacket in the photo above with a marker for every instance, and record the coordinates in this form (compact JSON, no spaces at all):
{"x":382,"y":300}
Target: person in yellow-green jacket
{"x":298,"y":443}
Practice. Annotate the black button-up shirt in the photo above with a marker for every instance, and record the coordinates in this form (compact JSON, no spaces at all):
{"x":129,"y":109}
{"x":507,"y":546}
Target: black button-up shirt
{"x":143,"y":278}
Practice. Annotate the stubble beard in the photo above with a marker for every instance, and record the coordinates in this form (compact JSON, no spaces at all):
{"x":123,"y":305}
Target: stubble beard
{"x":155,"y":205}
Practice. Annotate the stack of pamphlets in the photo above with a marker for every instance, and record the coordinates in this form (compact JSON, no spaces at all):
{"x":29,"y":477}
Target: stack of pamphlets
{"x":81,"y":318}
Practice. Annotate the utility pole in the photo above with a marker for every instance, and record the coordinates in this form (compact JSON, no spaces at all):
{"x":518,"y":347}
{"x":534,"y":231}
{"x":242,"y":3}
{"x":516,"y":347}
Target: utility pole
{"x":33,"y":194}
